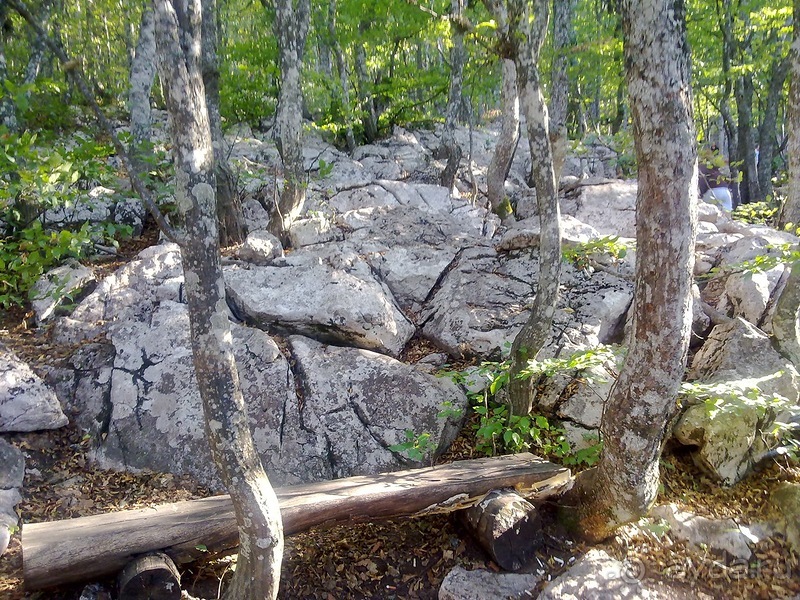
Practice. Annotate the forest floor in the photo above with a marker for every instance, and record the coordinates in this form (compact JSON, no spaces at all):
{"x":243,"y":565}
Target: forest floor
{"x":403,"y":558}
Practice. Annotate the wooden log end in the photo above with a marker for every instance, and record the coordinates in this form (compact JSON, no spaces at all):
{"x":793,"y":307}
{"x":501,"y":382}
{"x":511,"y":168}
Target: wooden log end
{"x":150,"y":577}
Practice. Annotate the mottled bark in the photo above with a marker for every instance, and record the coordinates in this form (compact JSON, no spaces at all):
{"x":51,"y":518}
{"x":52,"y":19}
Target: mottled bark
{"x":38,"y":45}
{"x":521,"y":28}
{"x":625,"y":483}
{"x":344,"y":81}
{"x":260,"y":532}
{"x":767,"y":132}
{"x":291,"y":28}
{"x":563,"y":39}
{"x":506,"y":145}
{"x":790,"y":211}
{"x":232,"y":227}
{"x":448,"y":146}
{"x":143,"y":73}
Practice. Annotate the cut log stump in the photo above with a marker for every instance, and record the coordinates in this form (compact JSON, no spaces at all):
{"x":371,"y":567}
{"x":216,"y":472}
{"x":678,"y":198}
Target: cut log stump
{"x":507,"y":526}
{"x":150,"y":577}
{"x":59,"y":552}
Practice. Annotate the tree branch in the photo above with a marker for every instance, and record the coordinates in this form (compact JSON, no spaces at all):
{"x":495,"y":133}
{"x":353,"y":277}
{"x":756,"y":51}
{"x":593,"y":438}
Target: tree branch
{"x":72,"y":67}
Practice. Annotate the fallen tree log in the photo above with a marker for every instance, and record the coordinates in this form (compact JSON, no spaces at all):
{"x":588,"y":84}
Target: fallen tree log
{"x":59,"y":552}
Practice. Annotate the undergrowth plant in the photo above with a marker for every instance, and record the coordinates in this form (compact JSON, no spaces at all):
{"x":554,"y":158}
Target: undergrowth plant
{"x":584,"y":254}
{"x":418,"y":446}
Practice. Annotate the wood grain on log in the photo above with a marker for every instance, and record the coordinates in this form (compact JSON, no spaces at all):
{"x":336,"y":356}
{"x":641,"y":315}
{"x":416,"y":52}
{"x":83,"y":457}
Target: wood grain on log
{"x":60,"y":552}
{"x":150,"y":577}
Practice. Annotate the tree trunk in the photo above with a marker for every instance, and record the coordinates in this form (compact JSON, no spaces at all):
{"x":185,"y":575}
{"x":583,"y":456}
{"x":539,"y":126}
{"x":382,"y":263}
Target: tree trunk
{"x":344,"y":81}
{"x":291,"y":27}
{"x":767,"y":134}
{"x":786,"y":320}
{"x":8,"y":110}
{"x":725,"y":19}
{"x":506,"y":145}
{"x":37,"y":48}
{"x":746,"y":150}
{"x":790,"y":211}
{"x":563,"y":39}
{"x":178,"y":33}
{"x":522,"y":27}
{"x":448,"y":147}
{"x":143,"y":73}
{"x":232,"y":228}
{"x":625,"y":483}
{"x":369,"y":118}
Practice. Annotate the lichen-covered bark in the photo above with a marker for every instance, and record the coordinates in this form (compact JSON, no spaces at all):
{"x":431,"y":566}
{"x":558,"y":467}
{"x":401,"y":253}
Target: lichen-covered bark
{"x":143,"y":72}
{"x":232,"y":228}
{"x":506,"y":145}
{"x":521,"y":28}
{"x":448,"y":147}
{"x":625,"y":483}
{"x":790,"y":211}
{"x":291,"y":28}
{"x":178,"y":28}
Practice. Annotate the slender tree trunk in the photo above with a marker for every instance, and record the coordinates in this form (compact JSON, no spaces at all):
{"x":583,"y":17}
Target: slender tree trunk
{"x":746,"y":136}
{"x":725,"y":19}
{"x":37,"y":47}
{"x":448,"y":147}
{"x":522,"y":26}
{"x":344,"y":81}
{"x":291,"y":27}
{"x":369,"y":118}
{"x":767,"y":133}
{"x":8,"y":110}
{"x":143,"y":73}
{"x":790,"y":211}
{"x":625,"y":483}
{"x":507,"y":142}
{"x":232,"y":228}
{"x":563,"y":39}
{"x":256,"y":506}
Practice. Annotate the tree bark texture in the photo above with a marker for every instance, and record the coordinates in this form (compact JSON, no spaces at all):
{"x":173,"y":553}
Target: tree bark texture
{"x":448,"y":147}
{"x":232,"y":227}
{"x":38,"y":45}
{"x":786,"y":319}
{"x":143,"y":73}
{"x":746,"y":149}
{"x":625,"y":483}
{"x":507,"y":141}
{"x":291,"y":27}
{"x":178,"y":33}
{"x":8,"y":110}
{"x":521,"y":28}
{"x":767,"y":132}
{"x":369,"y":113}
{"x":790,"y":211}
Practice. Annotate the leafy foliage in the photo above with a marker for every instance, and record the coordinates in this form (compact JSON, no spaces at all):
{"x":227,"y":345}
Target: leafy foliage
{"x":584,"y":254}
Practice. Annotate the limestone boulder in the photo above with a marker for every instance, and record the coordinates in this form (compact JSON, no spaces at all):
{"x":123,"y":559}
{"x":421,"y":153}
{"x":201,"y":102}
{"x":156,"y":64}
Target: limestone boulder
{"x":479,"y":584}
{"x":60,"y":286}
{"x":609,"y":207}
{"x":26,"y":402}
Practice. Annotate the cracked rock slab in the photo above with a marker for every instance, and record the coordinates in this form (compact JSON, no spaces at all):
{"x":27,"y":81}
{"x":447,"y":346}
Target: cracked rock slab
{"x":361,"y":403}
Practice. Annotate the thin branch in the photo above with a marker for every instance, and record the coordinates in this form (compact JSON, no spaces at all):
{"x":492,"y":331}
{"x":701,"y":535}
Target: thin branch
{"x":72,"y":67}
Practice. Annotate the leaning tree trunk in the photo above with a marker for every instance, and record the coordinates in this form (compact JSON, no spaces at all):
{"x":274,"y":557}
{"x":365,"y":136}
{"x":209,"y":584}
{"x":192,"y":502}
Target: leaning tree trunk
{"x":448,"y":146}
{"x":291,"y":27}
{"x":143,"y":73}
{"x":232,"y":228}
{"x":790,"y":211}
{"x":625,"y":483}
{"x":506,"y":145}
{"x":256,"y":506}
{"x":522,"y":26}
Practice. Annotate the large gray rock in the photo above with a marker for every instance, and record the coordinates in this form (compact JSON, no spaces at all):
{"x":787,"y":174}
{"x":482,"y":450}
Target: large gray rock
{"x":786,"y":500}
{"x":99,"y":205}
{"x":461,"y":584}
{"x":728,"y":435}
{"x":57,"y":286}
{"x":600,"y":577}
{"x":26,"y":402}
{"x":723,"y":535}
{"x":748,"y":295}
{"x":12,"y":472}
{"x":335,"y":299}
{"x":609,"y":207}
